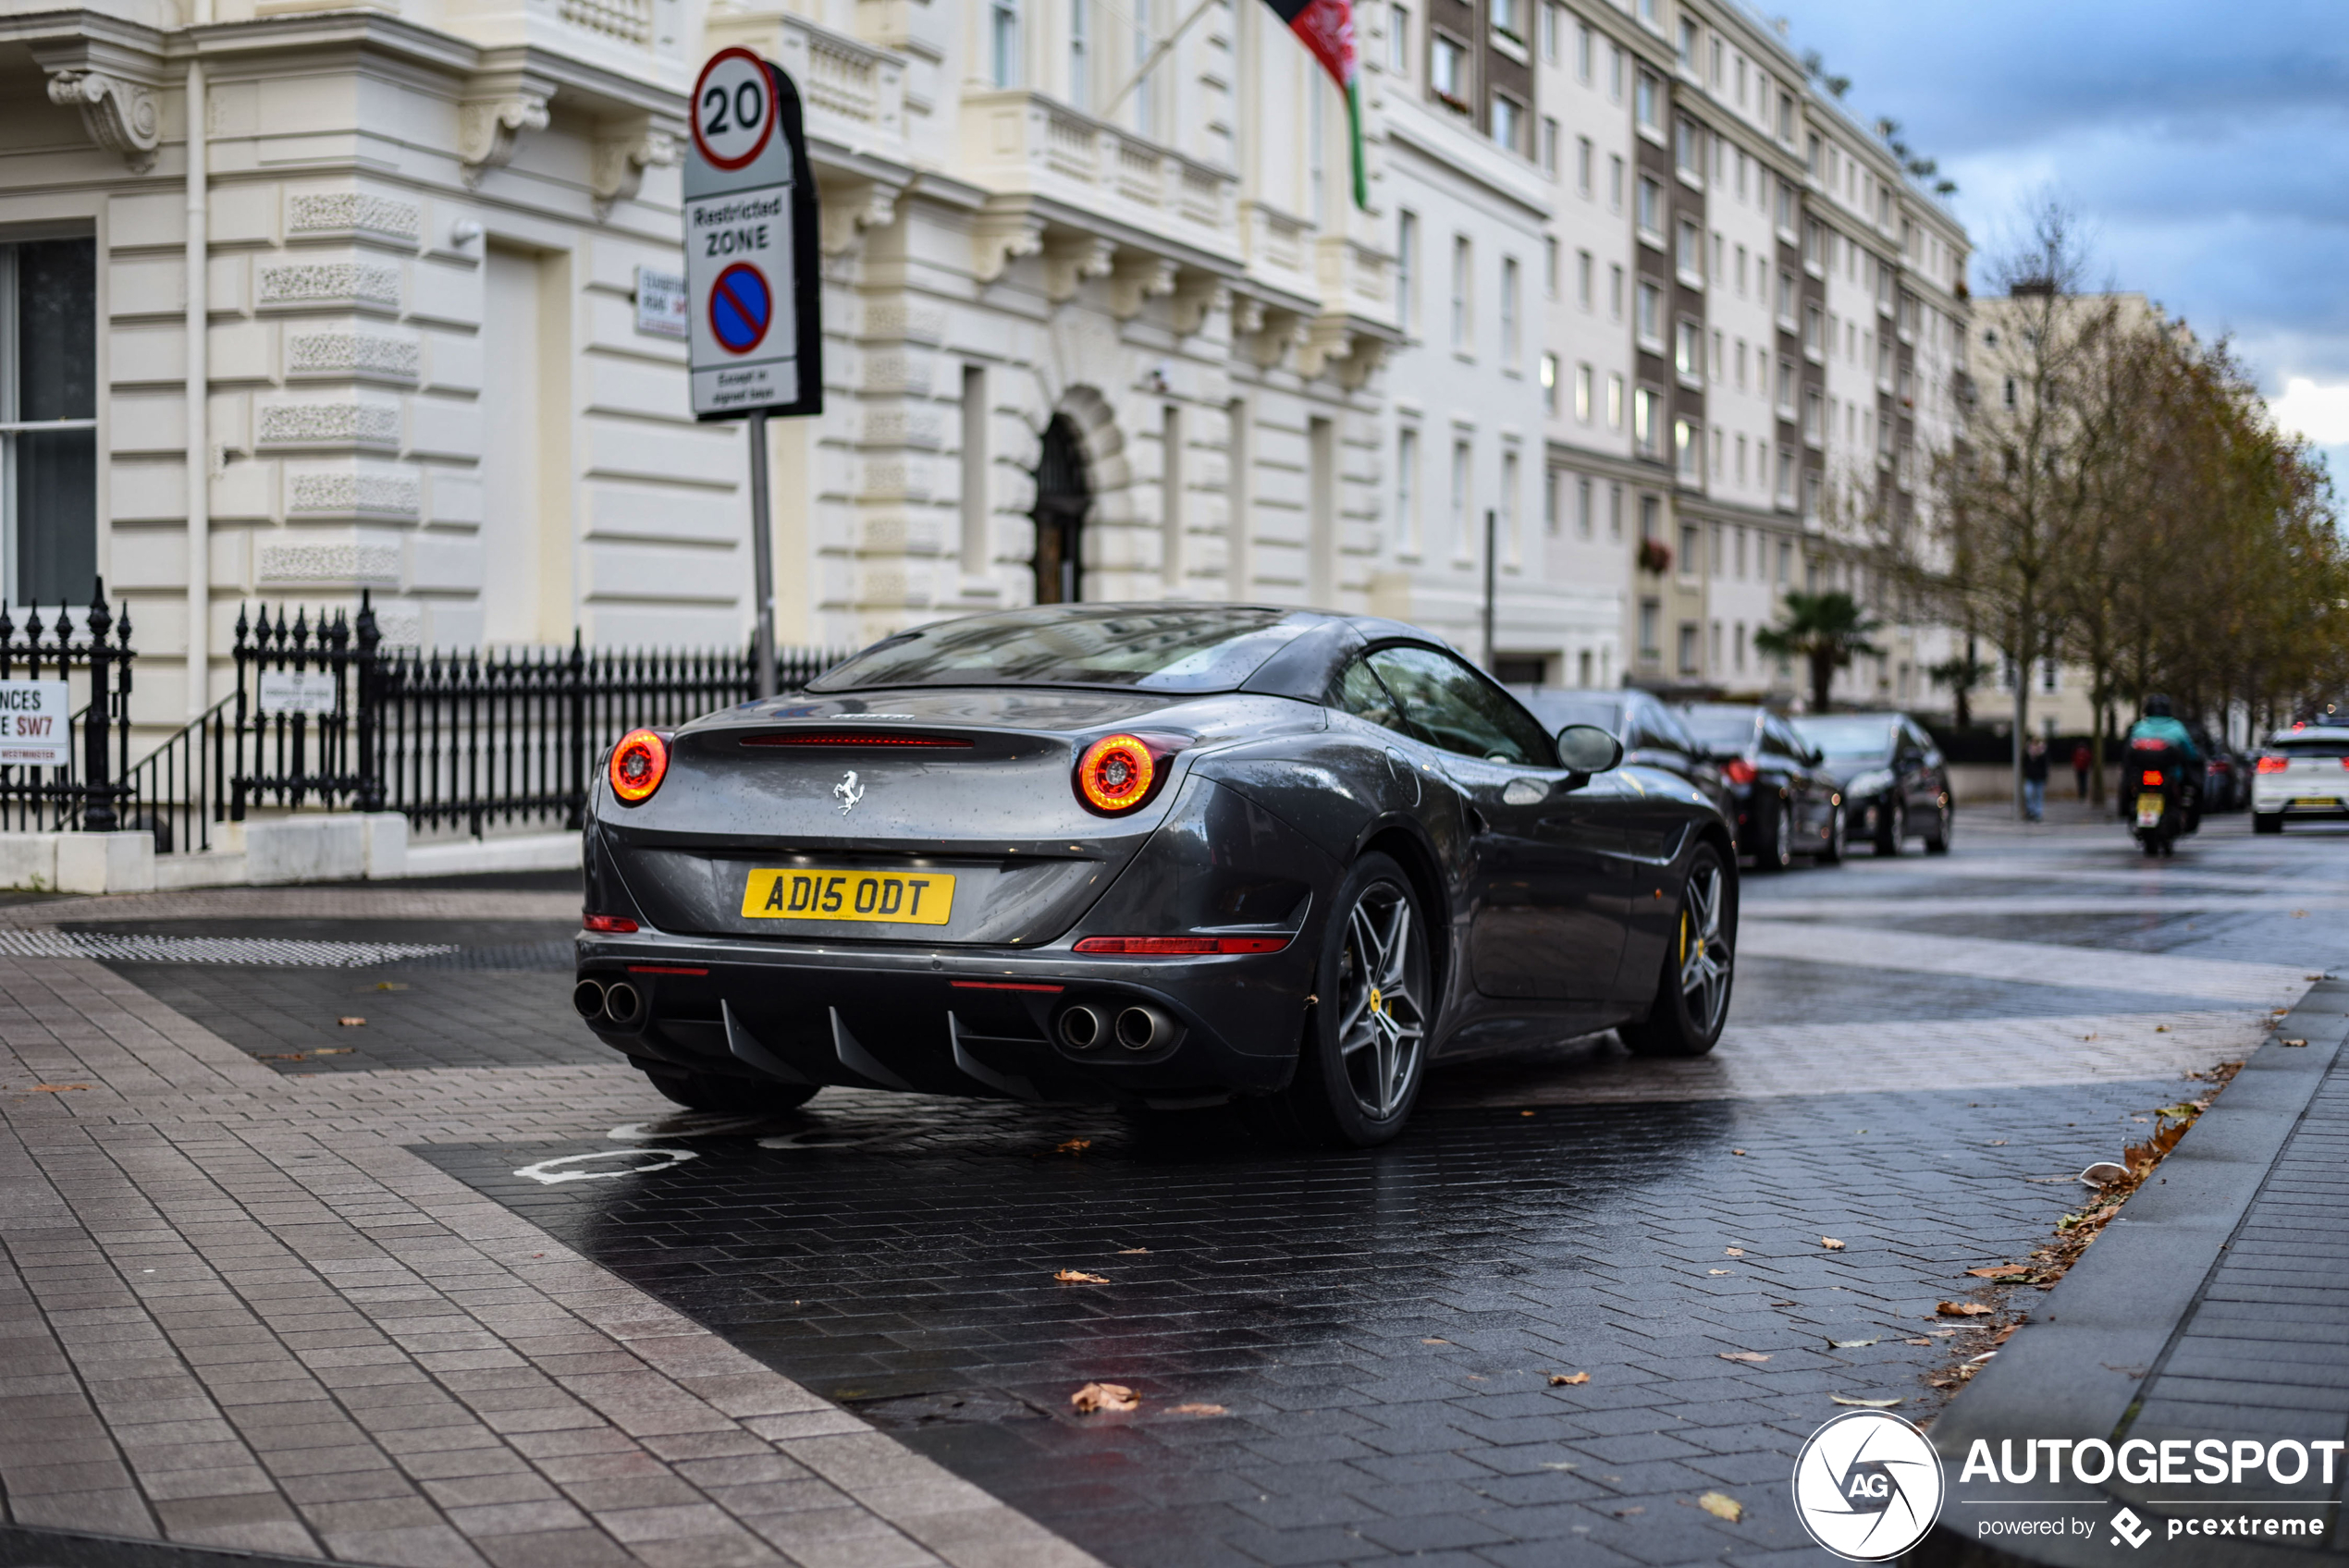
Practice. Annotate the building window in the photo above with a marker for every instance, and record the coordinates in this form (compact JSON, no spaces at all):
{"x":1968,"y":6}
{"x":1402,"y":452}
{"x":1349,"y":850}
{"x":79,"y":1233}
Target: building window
{"x":1615,"y":293}
{"x":1687,"y":349}
{"x":1688,"y":647}
{"x":1583,"y":41}
{"x":1649,"y":613}
{"x":1614,"y":400}
{"x":1549,"y":384}
{"x":1550,"y":146}
{"x":48,"y":419}
{"x":1651,"y":322}
{"x":1399,"y":41}
{"x":1583,"y":380}
{"x":1407,"y":487}
{"x":1645,"y":98}
{"x":1461,"y":457}
{"x":1687,"y":149}
{"x":1507,"y":21}
{"x":1814,"y":420}
{"x":1508,"y":122}
{"x":1551,"y":522}
{"x":1615,"y":514}
{"x":1407,"y":250}
{"x":1687,"y":455}
{"x":1686,"y":53}
{"x":1509,"y":353}
{"x":1003,"y":38}
{"x":1614,"y":73}
{"x":1449,"y":72}
{"x":1582,"y":160}
{"x":1652,"y":209}
{"x":1462,"y":325}
{"x":1614,"y":184}
{"x":1582,"y":270}
{"x":1691,"y":256}
{"x":1507,"y":520}
{"x":1646,"y":420}
{"x":1551,"y":11}
{"x":1080,"y":66}
{"x":1582,"y":508}
{"x":1549,"y":266}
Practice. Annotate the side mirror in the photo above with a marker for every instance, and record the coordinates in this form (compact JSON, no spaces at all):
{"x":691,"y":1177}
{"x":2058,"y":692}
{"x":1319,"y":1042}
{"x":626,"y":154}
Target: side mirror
{"x":1586,"y":748}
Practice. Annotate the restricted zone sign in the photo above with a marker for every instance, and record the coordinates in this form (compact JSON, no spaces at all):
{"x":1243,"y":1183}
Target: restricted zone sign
{"x":750,"y":245}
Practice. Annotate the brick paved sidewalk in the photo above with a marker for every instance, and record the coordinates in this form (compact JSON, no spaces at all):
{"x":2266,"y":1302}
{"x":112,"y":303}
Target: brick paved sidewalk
{"x":235,"y":1312}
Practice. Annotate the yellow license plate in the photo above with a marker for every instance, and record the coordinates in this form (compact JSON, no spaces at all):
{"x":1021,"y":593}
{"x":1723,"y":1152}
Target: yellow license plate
{"x":2323,"y":802}
{"x":2148,"y":810}
{"x":897,"y":898}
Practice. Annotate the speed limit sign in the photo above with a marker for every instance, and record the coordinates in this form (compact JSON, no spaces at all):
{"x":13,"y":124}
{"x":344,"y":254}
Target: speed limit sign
{"x":751,"y":276}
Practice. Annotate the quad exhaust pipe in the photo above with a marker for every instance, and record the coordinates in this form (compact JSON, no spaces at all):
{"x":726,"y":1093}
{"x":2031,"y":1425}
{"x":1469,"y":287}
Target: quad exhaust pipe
{"x":1144,"y":1028}
{"x":1084,"y":1027}
{"x":616,"y":1003}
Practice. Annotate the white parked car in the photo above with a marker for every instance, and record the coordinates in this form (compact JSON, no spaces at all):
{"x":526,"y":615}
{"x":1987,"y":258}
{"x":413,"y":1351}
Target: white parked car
{"x":2302,"y":772}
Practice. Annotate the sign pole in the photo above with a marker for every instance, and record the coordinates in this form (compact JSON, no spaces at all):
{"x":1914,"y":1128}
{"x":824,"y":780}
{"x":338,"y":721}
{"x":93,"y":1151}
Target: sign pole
{"x":1492,"y":539}
{"x":762,"y":558}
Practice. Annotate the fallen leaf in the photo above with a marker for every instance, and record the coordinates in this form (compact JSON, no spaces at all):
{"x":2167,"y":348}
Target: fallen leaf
{"x":1864,"y":1404}
{"x":1525,"y":1113}
{"x":350,"y":1022}
{"x":2295,"y":1042}
{"x":1559,"y":1465}
{"x":1073,"y":1145}
{"x":1104,"y":1396}
{"x":2300,"y":914}
{"x":1851,"y":1344}
{"x":1721,"y":1505}
{"x":1716,"y":1271}
{"x":1755,"y":1355}
{"x":1996,"y":1144}
{"x":1629,"y":1512}
{"x":390,"y":985}
{"x":1436,"y":1341}
{"x":1963,"y":1309}
{"x":2161,"y":1028}
{"x":1737,"y":1151}
{"x":2003,"y":1271}
{"x":1734,"y":1252}
{"x":1079,"y":1276}
{"x":1830,"y":1243}
{"x":1133,"y":1252}
{"x":56,"y":1088}
{"x":1928,"y":1343}
{"x":1568,"y":1379}
{"x":1195,"y":1410}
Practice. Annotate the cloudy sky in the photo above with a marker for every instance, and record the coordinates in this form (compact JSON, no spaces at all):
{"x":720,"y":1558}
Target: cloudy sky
{"x":2206,"y":145}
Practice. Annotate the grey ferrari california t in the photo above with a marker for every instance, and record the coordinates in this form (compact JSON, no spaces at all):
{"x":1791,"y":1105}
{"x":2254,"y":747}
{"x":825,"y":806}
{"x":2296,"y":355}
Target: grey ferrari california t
{"x":1160,"y":854}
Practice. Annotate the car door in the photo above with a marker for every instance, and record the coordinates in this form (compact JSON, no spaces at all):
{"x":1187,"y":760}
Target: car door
{"x":1785,"y":757}
{"x":1915,"y":780}
{"x":1546,"y":899}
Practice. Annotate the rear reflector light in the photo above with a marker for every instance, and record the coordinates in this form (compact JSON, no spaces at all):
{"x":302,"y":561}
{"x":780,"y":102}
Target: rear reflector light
{"x":1182,"y":946}
{"x":663,"y":969}
{"x":613,"y":924}
{"x":2279,"y":764}
{"x":2152,"y":778}
{"x":1739,"y":771}
{"x":1115,"y":773}
{"x":2148,"y":743}
{"x":1002,"y":986}
{"x":638,"y":764}
{"x":859,"y":738}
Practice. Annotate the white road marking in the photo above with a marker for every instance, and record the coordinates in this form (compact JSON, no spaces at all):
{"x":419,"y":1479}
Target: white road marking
{"x":289,"y":953}
{"x":1925,"y":952}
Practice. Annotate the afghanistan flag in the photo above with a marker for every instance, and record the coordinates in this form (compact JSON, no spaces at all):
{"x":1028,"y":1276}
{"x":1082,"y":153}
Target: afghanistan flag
{"x":1326,"y":27}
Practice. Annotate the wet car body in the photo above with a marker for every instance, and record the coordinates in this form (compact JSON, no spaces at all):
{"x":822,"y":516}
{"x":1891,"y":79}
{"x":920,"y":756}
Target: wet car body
{"x":1783,"y":803}
{"x":1652,"y":732}
{"x":1895,"y":784}
{"x":1545,"y":890}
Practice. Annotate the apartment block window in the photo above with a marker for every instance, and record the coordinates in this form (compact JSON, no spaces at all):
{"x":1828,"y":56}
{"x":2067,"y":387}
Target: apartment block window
{"x":1461,"y":458}
{"x":1507,"y":19}
{"x":1741,"y":451}
{"x":1687,"y":349}
{"x":1614,"y":400}
{"x":1582,"y":270}
{"x":1550,"y":146}
{"x":1507,"y":508}
{"x":1551,"y":11}
{"x":1786,"y":560}
{"x":1551,"y":522}
{"x":1549,"y":384}
{"x":1462,"y":326}
{"x":1583,"y":41}
{"x":1785,"y":498}
{"x":1688,"y":147}
{"x":1448,"y":72}
{"x":1584,"y":377}
{"x":1406,"y":252}
{"x":1813,"y":330}
{"x":1508,"y":122}
{"x":1646,"y":100}
{"x":1686,"y":52}
{"x":1786,"y":388}
{"x":1582,"y":508}
{"x":1650,"y":214}
{"x":1719,"y":362}
{"x":48,"y":419}
{"x":1814,"y":419}
{"x":1688,"y":457}
{"x":1509,"y":354}
{"x":1081,"y":62}
{"x":1615,"y":293}
{"x":1651,"y":321}
{"x":1550,"y":267}
{"x":1688,"y":647}
{"x":1399,"y":41}
{"x":1002,"y":41}
{"x":1786,"y":117}
{"x":1740,"y":542}
{"x":1615,"y":514}
{"x":1649,"y":612}
{"x":1646,"y":422}
{"x":1407,"y":487}
{"x":1691,"y":255}
{"x":1786,"y":297}
{"x":1582,"y":160}
{"x":1615,"y":184}
{"x":1614,"y":73}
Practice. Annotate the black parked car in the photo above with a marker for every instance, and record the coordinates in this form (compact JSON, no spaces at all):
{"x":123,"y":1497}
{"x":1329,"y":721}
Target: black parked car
{"x":2226,"y":774}
{"x":1784,"y":801}
{"x":1162,"y":854}
{"x":1895,"y":784}
{"x":1652,"y":731}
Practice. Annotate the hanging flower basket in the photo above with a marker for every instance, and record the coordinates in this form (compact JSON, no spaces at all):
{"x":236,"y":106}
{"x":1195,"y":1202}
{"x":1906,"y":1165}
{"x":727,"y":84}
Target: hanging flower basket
{"x":1656,"y":557}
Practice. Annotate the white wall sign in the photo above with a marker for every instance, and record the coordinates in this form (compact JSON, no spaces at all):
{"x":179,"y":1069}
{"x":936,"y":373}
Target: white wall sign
{"x":36,"y":723}
{"x":299,"y":691}
{"x":750,"y":245}
{"x":661,"y":303}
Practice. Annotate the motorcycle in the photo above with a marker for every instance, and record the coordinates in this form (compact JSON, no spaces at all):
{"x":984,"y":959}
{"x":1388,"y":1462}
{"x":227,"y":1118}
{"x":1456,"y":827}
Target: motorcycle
{"x":2160,"y":799}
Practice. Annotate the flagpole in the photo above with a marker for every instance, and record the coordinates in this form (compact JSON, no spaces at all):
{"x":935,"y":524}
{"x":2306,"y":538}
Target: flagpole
{"x":1158,"y":53}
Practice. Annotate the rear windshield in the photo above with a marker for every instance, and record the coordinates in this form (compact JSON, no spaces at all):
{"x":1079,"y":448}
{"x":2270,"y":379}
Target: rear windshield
{"x":1152,"y":647}
{"x":2311,"y":745}
{"x":1850,"y":740}
{"x":1721,"y":729}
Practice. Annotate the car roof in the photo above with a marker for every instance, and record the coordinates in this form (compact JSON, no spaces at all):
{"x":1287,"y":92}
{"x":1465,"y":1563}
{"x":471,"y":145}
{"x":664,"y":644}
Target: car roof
{"x":2310,"y":732}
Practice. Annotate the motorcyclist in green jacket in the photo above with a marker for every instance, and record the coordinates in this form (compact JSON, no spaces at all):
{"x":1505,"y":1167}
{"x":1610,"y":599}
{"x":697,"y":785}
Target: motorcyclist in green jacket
{"x":2161,"y":727}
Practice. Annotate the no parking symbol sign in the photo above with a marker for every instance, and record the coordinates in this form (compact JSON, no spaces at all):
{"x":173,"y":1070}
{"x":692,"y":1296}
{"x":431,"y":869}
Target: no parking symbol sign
{"x":750,"y":245}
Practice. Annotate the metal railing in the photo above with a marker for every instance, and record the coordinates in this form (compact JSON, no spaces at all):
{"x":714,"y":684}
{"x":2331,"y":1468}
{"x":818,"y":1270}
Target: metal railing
{"x":81,"y":794}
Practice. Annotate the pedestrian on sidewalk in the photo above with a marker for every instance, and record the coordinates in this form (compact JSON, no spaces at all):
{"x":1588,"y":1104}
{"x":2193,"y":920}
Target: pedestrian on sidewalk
{"x":2080,"y":762}
{"x":2034,"y":780}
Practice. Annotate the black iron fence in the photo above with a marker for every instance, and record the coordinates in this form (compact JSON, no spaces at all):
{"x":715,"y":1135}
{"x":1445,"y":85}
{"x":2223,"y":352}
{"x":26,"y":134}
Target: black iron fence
{"x":83,"y":788}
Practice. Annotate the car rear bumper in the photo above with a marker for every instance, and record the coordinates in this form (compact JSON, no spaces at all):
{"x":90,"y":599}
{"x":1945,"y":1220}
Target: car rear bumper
{"x":2303,"y":800}
{"x":950,"y":1020}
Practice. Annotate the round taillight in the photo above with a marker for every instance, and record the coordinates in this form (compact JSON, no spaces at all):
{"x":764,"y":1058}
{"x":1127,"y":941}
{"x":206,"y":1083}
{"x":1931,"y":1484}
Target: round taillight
{"x":638,"y":763}
{"x":1115,"y":773}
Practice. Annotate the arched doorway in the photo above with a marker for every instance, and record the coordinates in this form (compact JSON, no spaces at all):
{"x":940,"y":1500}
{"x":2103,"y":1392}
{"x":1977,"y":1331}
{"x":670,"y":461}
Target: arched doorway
{"x":1063,"y":499}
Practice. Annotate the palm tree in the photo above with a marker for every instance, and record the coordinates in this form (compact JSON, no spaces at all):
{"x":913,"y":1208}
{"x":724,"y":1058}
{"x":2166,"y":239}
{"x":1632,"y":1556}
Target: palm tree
{"x":1825,"y":630}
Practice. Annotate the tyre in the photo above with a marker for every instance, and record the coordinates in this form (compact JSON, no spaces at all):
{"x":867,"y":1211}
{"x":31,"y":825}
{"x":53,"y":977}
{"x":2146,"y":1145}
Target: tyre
{"x":1775,"y":851}
{"x":1945,"y":822}
{"x":1364,"y":1053}
{"x":1893,"y":827}
{"x":1831,"y":851}
{"x":1692,"y":993}
{"x":710,"y":1091}
{"x":2267,"y":822}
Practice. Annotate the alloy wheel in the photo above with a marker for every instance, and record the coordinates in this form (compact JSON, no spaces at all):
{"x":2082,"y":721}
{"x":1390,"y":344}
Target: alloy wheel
{"x":1382,"y":1021}
{"x":1705,"y":956}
